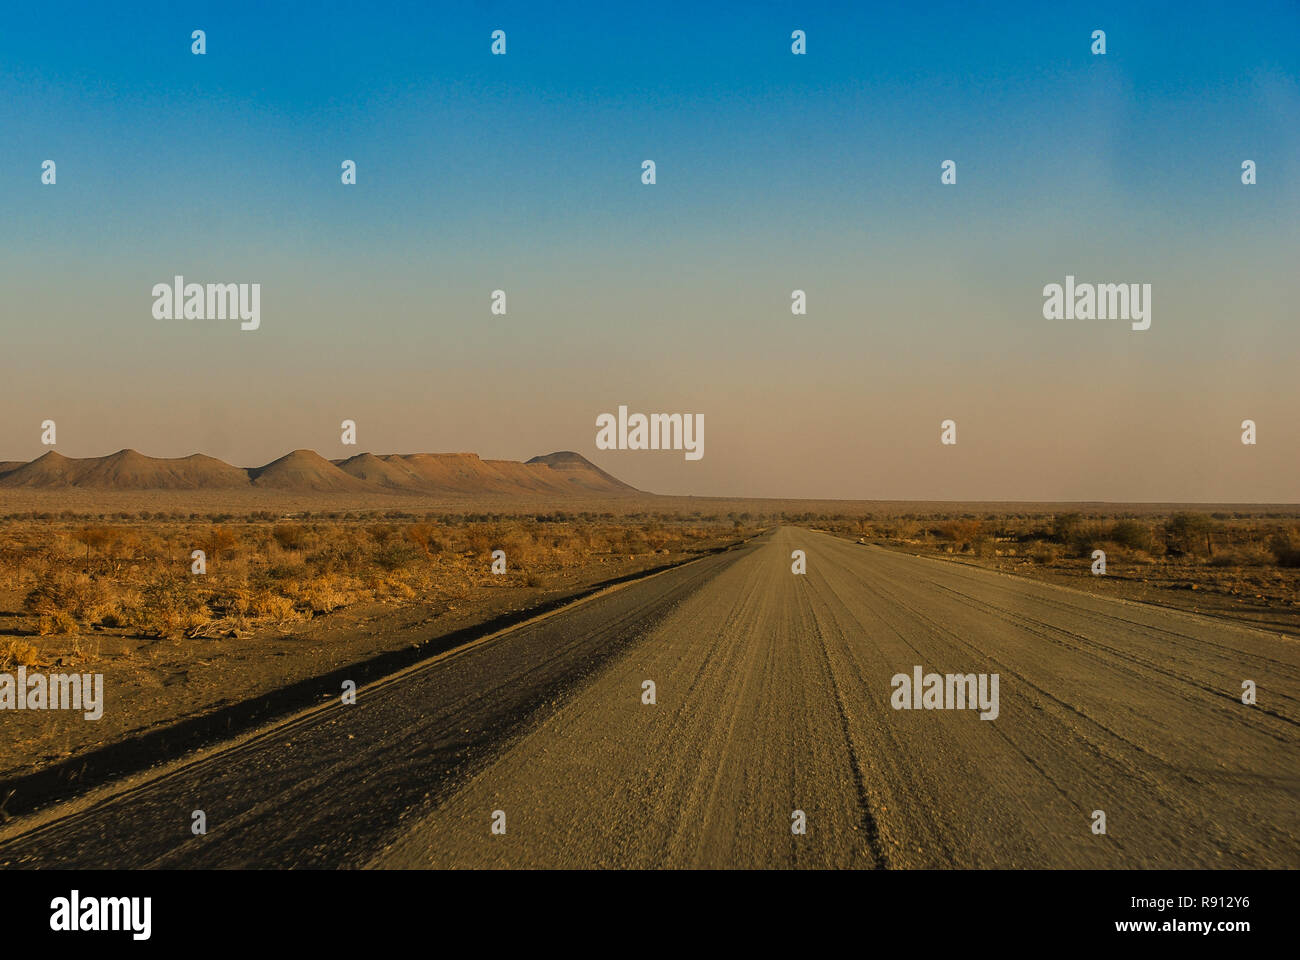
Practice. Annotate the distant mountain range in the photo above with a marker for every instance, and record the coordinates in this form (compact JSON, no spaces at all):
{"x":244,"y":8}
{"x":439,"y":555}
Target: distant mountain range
{"x":305,"y":471}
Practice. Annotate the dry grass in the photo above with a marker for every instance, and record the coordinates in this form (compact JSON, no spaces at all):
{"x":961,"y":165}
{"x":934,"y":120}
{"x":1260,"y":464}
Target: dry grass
{"x":1246,"y":559}
{"x":17,"y":652}
{"x":134,"y":572}
{"x":131,"y":572}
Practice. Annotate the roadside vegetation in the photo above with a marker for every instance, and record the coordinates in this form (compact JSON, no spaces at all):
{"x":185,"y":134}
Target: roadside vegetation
{"x":73,"y":575}
{"x":1242,"y":560}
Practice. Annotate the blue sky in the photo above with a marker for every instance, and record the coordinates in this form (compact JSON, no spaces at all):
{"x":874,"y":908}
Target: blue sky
{"x":774,"y":172}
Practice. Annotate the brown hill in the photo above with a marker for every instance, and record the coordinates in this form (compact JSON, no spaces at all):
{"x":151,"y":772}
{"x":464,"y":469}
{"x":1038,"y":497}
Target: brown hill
{"x":442,"y":472}
{"x":563,"y":474}
{"x":305,"y":470}
{"x":380,"y":471}
{"x":580,"y":474}
{"x":468,"y":474}
{"x":126,"y":470}
{"x":50,"y":470}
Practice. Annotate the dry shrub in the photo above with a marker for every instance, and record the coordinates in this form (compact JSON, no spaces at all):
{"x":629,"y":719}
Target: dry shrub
{"x":519,"y":548}
{"x":327,"y":593}
{"x":1044,"y":553}
{"x":97,"y":538}
{"x":634,"y":542}
{"x":219,"y":541}
{"x":17,"y":652}
{"x":169,"y":606}
{"x":232,"y":600}
{"x":392,"y":585}
{"x":1247,"y":555}
{"x":1189,"y":533}
{"x":341,"y":555}
{"x":59,"y":621}
{"x":427,"y":537}
{"x":242,"y":602}
{"x":480,"y":539}
{"x":1086,"y":538}
{"x":1065,"y":526}
{"x":290,"y":536}
{"x":286,"y":573}
{"x":657,"y":537}
{"x":272,"y":606}
{"x":1285,"y":547}
{"x":962,"y":533}
{"x":396,"y":555}
{"x":78,"y":596}
{"x":1133,"y":535}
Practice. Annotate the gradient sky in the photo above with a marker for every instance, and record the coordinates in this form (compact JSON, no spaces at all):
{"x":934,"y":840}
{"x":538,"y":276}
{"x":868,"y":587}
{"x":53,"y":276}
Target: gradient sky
{"x":775,"y":172}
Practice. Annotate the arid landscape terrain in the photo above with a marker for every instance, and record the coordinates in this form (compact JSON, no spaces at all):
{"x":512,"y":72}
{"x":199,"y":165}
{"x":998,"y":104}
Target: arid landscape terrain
{"x":301,"y":574}
{"x":317,"y":572}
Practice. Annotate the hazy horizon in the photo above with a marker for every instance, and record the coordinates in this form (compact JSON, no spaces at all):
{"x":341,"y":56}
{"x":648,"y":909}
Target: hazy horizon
{"x":774,"y":173}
